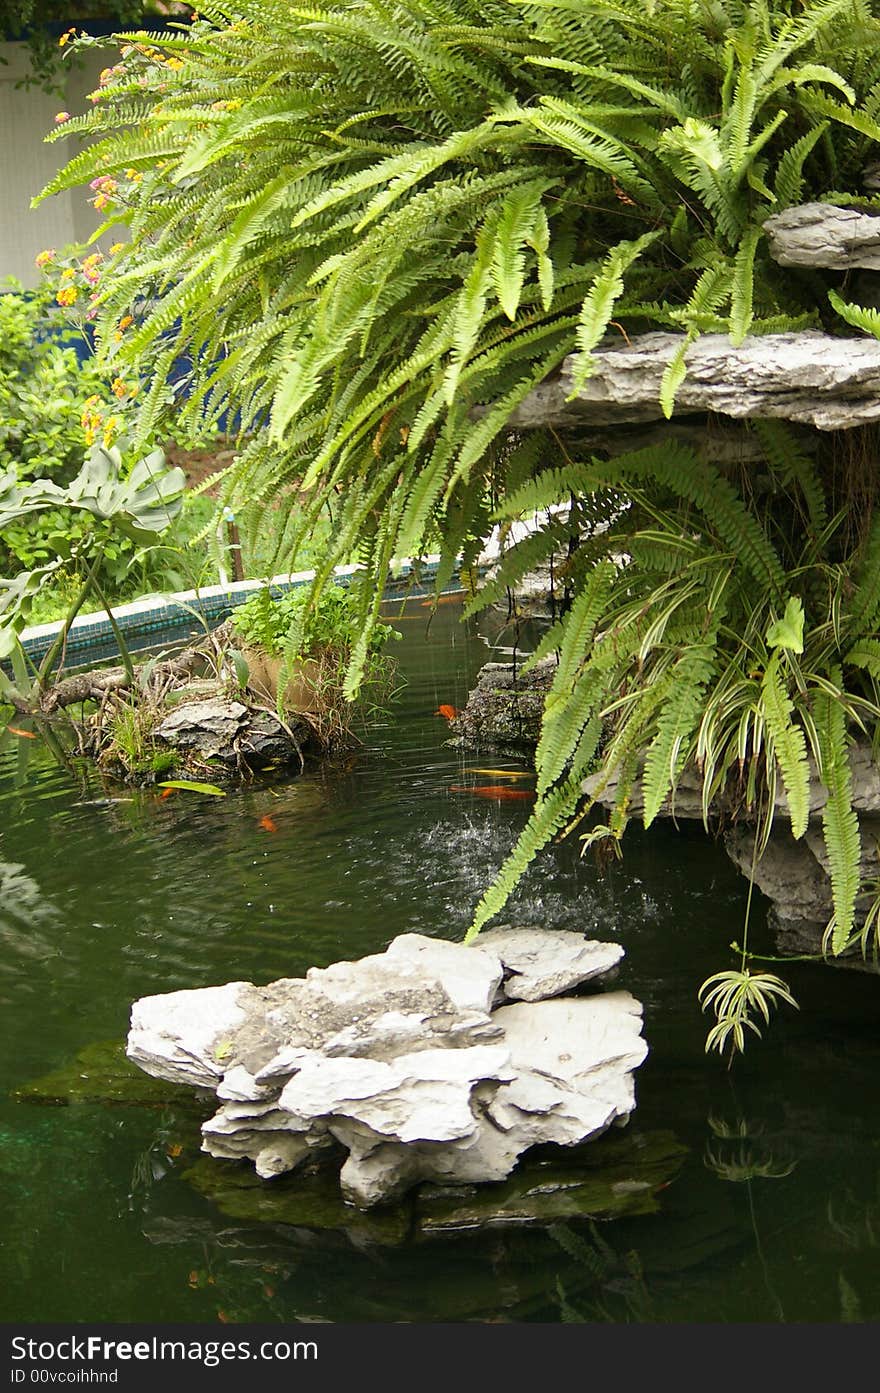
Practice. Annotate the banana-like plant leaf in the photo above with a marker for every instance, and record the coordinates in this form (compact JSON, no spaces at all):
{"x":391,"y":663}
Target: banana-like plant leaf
{"x":190,"y":786}
{"x":140,"y":505}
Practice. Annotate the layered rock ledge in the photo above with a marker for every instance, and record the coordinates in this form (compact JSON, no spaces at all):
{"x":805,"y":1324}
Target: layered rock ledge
{"x":430,"y":1061}
{"x":810,"y":377}
{"x":794,"y":875}
{"x":823,"y":235}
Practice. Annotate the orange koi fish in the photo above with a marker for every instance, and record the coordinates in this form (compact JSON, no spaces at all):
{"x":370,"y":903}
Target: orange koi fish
{"x":268,"y":824}
{"x":493,"y":791}
{"x":448,"y":712}
{"x":23,"y":734}
{"x":166,"y":793}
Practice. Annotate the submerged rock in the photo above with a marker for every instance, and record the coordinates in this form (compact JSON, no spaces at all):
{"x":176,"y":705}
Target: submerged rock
{"x":620,"y":1174}
{"x":101,"y":1073}
{"x":411,"y":1059}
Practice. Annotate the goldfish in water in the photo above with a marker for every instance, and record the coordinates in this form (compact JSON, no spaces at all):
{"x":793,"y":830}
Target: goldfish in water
{"x":455,"y":598}
{"x":166,"y":793}
{"x":502,"y":773}
{"x":447,"y":711}
{"x":23,"y":734}
{"x":268,"y":824}
{"x":492,"y":791}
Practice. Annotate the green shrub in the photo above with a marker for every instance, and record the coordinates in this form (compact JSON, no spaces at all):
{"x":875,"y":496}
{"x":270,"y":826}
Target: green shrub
{"x":331,"y":622}
{"x":315,"y":639}
{"x":48,"y":401}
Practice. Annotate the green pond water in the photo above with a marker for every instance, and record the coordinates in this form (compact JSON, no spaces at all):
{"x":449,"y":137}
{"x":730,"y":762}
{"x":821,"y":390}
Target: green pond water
{"x":736,"y":1196}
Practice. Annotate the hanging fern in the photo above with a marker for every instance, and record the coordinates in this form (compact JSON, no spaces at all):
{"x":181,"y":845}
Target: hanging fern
{"x":375,"y":229}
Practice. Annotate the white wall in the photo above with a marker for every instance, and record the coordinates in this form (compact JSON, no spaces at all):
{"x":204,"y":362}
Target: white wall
{"x":27,"y":164}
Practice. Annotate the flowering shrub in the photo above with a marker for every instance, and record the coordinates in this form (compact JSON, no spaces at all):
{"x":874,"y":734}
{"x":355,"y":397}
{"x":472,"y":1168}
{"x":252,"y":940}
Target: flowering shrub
{"x":37,"y":23}
{"x":53,"y":405}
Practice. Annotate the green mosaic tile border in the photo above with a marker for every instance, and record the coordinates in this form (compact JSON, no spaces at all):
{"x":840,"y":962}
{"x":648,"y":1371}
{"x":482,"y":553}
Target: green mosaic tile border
{"x":142,"y":618}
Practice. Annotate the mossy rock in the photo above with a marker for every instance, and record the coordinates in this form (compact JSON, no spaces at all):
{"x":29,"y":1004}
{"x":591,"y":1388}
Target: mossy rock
{"x":610,"y":1178}
{"x":102,"y":1073}
{"x":302,"y":1199}
{"x":605,"y":1179}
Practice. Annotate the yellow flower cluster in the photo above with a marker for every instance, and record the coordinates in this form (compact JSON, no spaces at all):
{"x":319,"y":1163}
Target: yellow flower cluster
{"x":91,"y":419}
{"x":45,"y":257}
{"x":67,"y":295}
{"x":94,"y":423}
{"x":120,"y":329}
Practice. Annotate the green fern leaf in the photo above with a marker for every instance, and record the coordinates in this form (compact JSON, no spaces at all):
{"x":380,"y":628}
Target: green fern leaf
{"x":789,"y":747}
{"x":668,"y":751}
{"x":840,"y":826}
{"x":599,"y":303}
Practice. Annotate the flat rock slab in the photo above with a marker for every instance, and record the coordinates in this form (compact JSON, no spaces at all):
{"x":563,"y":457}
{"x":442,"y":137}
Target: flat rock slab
{"x":687,"y":801}
{"x":406,"y":1059}
{"x":819,"y":234}
{"x":810,"y":377}
{"x":545,"y":962}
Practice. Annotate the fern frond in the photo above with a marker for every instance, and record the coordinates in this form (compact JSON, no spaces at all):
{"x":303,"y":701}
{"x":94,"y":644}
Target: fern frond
{"x":789,"y":747}
{"x":548,"y":816}
{"x":668,"y":751}
{"x":840,"y":826}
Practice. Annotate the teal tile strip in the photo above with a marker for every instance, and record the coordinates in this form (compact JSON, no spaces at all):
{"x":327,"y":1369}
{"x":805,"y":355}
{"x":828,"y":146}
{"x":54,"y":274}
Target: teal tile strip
{"x":143,"y":619}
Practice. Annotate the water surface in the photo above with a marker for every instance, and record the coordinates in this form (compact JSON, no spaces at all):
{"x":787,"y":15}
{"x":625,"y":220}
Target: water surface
{"x":772,"y":1212}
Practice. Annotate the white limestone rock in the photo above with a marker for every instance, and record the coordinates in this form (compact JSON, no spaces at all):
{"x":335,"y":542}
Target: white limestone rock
{"x":571,"y":1080}
{"x":471,"y":976}
{"x":179,"y":1035}
{"x":574,"y":1060}
{"x":418,"y":1097}
{"x":400,"y":1059}
{"x":819,"y":234}
{"x":817,"y":379}
{"x":546,"y":962}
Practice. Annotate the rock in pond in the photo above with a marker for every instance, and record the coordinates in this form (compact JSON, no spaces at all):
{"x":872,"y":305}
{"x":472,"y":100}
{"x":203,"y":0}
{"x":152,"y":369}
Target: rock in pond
{"x":233,"y":733}
{"x":430,"y":1061}
{"x":505,"y":708}
{"x":622,"y":1173}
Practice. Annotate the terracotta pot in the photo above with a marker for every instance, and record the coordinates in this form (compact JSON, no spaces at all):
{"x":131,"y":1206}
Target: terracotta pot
{"x":265,"y":670}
